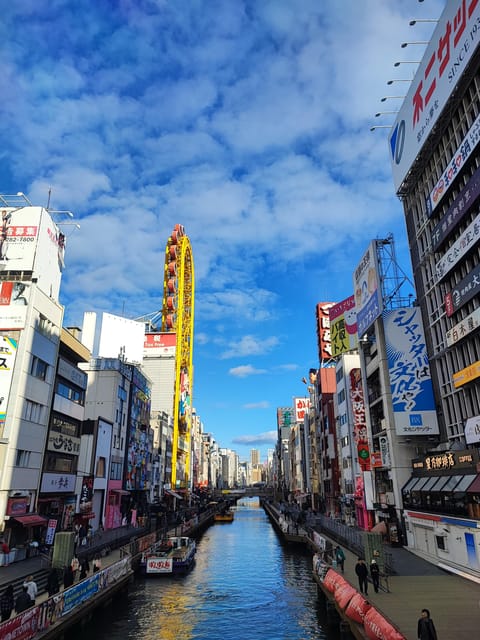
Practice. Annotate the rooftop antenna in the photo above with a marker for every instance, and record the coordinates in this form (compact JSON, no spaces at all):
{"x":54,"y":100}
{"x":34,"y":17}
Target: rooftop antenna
{"x":49,"y":196}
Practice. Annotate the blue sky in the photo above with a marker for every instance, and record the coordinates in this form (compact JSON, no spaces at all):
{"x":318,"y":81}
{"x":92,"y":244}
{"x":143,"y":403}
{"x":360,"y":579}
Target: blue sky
{"x":247,"y":121}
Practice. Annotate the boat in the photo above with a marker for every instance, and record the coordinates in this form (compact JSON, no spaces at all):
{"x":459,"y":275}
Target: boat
{"x":224,"y":516}
{"x":173,"y":555}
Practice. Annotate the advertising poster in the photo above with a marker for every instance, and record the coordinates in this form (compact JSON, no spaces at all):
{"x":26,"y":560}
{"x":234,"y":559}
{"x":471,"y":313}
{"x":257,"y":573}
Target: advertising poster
{"x":410,"y":380}
{"x":368,"y":297}
{"x":343,"y":327}
{"x":8,"y":353}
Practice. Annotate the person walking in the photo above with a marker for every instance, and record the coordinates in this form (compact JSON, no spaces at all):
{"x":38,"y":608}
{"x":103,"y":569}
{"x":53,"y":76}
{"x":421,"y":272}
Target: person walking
{"x":362,"y":573}
{"x":32,"y":589}
{"x":7,"y":603}
{"x":375,"y":574}
{"x":340,"y":557}
{"x":426,"y":629}
{"x":68,"y":577}
{"x":53,"y":585}
{"x":75,"y":565}
{"x":84,"y":568}
{"x":23,"y":601}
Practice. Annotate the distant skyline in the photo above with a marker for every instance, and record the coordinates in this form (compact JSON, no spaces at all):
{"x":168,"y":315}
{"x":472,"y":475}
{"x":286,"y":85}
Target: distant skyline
{"x":248,"y":123}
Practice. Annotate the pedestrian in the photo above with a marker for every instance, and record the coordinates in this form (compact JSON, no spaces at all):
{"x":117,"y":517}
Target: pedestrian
{"x":340,"y":557}
{"x":7,"y":603}
{"x":31,"y":588}
{"x":97,"y":564}
{"x":84,"y":568}
{"x":362,"y":573}
{"x":53,"y":585}
{"x":23,"y":601}
{"x":75,"y":565}
{"x":6,"y":553}
{"x":375,"y":574}
{"x":426,"y":628}
{"x":68,"y":577}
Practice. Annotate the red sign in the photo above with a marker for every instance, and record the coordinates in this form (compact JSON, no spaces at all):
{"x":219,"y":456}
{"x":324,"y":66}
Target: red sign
{"x":17,"y":506}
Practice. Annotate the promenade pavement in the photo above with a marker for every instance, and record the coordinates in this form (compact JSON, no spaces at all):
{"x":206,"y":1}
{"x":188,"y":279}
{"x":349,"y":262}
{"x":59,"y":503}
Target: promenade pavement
{"x":453,"y":601}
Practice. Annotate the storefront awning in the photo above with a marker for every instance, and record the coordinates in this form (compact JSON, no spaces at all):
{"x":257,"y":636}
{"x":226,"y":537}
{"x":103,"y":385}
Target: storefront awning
{"x":30,"y":520}
{"x":475,"y":486}
{"x":172,"y":493}
{"x":121,"y":492}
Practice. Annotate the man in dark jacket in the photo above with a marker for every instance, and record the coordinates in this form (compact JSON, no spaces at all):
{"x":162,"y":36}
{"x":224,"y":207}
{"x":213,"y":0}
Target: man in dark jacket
{"x":362,"y":572}
{"x":426,"y":628}
{"x":23,"y":601}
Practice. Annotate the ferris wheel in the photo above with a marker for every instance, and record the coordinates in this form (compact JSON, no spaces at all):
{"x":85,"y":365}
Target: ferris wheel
{"x":177,"y":317}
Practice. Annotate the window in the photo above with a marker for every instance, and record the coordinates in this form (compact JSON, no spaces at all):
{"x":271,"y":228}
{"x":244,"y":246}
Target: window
{"x":23,"y":458}
{"x":60,"y":464}
{"x":32,"y":411}
{"x":39,"y":368}
{"x":69,"y":391}
{"x":116,"y":471}
{"x":441,"y":543}
{"x":101,"y":465}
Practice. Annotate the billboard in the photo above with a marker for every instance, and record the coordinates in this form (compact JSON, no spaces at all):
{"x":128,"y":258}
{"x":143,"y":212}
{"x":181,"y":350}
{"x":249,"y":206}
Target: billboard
{"x":14,"y":298}
{"x":112,"y":336}
{"x":343,"y":327}
{"x":159,"y":344}
{"x":368,"y":297}
{"x":461,"y":247}
{"x":410,"y":380}
{"x":360,"y":434}
{"x":323,"y":331}
{"x":8,"y":353}
{"x":30,"y":241}
{"x":457,"y":211}
{"x":446,"y":57}
{"x":302,"y":406}
{"x":464,"y":291}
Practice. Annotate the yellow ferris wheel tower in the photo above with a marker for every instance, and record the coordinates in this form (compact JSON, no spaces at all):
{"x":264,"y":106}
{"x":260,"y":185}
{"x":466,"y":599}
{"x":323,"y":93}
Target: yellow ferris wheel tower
{"x":177,"y":317}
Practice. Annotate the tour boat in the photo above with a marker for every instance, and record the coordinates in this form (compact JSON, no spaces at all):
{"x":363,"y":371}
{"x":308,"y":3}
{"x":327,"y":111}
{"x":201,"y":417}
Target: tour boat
{"x":174,"y":555}
{"x":224,"y":516}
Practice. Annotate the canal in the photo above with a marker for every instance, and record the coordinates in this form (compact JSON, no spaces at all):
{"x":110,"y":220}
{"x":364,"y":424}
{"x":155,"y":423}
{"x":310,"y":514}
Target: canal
{"x":245,"y":585}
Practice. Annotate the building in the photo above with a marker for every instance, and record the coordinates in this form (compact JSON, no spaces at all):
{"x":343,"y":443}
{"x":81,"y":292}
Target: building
{"x":436,"y":169}
{"x":32,"y":248}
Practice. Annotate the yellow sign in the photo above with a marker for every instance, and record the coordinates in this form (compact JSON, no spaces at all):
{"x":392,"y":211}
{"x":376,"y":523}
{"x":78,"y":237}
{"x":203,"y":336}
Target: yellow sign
{"x":466,"y":375}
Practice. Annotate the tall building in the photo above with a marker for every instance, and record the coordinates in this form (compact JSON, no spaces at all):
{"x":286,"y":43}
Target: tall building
{"x":32,"y":250}
{"x":434,"y":145}
{"x":254,"y":456}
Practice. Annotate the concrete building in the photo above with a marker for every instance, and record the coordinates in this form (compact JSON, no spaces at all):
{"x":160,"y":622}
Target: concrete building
{"x":434,"y":148}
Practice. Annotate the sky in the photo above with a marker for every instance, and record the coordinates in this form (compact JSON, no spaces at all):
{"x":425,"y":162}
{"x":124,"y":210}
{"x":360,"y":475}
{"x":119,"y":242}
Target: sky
{"x":246,"y":121}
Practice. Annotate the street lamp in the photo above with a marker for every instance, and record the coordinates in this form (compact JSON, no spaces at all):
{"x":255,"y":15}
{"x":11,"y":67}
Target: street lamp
{"x":397,"y":64}
{"x":397,"y":80}
{"x":405,"y":44}
{"x":382,"y":113}
{"x":414,"y":22}
{"x":388,"y":97}
{"x":381,"y":126}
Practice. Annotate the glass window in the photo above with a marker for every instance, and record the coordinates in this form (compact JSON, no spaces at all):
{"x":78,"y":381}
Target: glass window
{"x":39,"y":368}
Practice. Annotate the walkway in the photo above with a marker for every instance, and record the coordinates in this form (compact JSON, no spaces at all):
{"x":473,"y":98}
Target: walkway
{"x":453,"y":601}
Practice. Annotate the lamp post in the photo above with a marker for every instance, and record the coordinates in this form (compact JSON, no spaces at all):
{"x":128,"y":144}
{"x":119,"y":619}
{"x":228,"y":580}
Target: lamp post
{"x":397,"y":80}
{"x":397,"y":64}
{"x":405,"y":44}
{"x":381,"y":126}
{"x":390,"y":97}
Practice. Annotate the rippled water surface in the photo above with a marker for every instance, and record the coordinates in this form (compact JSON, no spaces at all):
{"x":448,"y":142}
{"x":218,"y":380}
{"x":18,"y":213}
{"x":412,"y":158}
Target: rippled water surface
{"x":245,"y":585}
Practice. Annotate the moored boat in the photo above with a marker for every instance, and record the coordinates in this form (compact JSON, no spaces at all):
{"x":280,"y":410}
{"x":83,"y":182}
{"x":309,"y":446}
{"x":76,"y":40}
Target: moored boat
{"x":224,"y":516}
{"x":174,"y":555}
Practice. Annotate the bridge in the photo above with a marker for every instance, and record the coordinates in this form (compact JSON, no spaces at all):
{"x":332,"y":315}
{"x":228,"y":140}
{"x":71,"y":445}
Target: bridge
{"x":246,"y":492}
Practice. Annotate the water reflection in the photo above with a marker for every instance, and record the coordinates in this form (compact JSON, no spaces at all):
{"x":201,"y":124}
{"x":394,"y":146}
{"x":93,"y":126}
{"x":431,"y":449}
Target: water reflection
{"x":245,"y":585}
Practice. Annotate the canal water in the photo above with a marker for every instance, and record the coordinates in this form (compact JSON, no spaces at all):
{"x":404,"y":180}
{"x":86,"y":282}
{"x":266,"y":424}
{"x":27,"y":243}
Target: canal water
{"x":245,"y":585}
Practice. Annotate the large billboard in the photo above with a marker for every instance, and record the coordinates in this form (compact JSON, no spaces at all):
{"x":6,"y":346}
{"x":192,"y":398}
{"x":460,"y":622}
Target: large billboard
{"x":302,"y":405}
{"x":446,"y":57}
{"x":159,"y":344}
{"x":323,"y":331}
{"x":343,"y":327}
{"x":30,"y":241}
{"x":410,"y":380}
{"x":368,"y":296}
{"x":110,"y":336}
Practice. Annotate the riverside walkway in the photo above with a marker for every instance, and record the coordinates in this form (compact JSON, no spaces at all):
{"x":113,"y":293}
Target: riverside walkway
{"x":453,"y":601}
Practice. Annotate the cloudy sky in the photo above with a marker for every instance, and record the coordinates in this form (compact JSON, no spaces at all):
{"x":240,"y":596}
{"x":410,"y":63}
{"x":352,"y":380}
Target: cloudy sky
{"x":246,"y":121}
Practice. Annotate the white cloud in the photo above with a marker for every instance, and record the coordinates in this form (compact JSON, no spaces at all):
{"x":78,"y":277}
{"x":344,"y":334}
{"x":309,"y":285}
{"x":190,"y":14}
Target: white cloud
{"x":243,"y":371}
